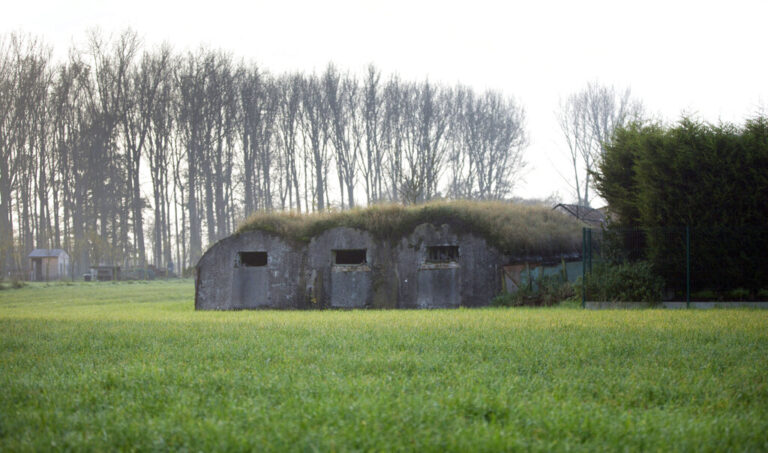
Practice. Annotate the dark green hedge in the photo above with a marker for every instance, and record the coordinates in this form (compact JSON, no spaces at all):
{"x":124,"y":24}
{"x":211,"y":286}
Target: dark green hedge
{"x":713,"y":178}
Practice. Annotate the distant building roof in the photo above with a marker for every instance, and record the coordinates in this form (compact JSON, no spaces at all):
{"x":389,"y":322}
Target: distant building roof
{"x":584,"y":213}
{"x":45,"y":253}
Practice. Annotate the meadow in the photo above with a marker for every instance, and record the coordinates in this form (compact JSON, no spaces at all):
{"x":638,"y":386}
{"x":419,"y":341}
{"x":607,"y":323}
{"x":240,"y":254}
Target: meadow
{"x":132,"y":366}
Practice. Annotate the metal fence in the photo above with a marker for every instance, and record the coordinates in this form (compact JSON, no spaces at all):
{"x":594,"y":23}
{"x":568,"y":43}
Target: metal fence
{"x":694,"y":262}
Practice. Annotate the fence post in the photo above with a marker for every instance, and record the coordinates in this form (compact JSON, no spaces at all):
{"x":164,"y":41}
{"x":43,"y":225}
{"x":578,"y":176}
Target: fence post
{"x":584,"y":267}
{"x":687,"y":266}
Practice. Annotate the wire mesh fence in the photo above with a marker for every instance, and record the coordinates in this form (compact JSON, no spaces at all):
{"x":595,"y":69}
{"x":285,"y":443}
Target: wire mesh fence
{"x":691,"y":262}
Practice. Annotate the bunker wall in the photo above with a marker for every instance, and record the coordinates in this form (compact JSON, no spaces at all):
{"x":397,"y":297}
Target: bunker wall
{"x":441,"y":268}
{"x":433,"y":267}
{"x":250,"y":270}
{"x":341,"y":260}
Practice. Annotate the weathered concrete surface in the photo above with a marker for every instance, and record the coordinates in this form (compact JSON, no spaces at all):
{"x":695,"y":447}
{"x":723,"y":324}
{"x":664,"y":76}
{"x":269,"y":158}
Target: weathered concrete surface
{"x":472,"y":281}
{"x":223,"y":285}
{"x":394,"y":275}
{"x":342,"y":286}
{"x":350,"y":287}
{"x":439,"y":286}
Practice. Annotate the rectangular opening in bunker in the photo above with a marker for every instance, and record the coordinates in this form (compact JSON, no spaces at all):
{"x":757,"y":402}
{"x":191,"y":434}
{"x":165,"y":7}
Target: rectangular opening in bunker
{"x":442,"y":253}
{"x":251,"y":259}
{"x":349,"y":257}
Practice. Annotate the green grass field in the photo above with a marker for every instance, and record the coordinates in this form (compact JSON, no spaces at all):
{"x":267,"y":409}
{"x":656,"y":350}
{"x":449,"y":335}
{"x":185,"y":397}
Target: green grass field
{"x":132,"y":366}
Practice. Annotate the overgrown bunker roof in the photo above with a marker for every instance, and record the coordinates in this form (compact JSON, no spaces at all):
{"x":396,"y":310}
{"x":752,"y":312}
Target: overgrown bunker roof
{"x":512,"y":228}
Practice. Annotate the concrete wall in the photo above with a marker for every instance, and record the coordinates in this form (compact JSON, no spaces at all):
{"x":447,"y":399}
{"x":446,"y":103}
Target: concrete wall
{"x":222,"y":284}
{"x":342,"y":286}
{"x":394,"y":274}
{"x":471,"y":281}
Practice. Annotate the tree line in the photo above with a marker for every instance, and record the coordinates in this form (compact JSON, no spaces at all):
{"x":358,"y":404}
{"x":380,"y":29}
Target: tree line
{"x":128,"y":155}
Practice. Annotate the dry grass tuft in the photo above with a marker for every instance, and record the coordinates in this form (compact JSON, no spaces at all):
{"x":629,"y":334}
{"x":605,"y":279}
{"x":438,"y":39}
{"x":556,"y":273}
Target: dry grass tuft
{"x":514,"y":228}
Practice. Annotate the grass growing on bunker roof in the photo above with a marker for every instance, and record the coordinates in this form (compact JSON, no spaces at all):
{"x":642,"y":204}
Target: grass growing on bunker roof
{"x":511,"y":227}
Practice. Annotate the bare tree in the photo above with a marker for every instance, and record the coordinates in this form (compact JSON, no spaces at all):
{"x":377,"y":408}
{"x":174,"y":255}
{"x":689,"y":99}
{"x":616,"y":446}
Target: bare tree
{"x":190,"y":80}
{"x":220,"y":121}
{"x":108,"y":220}
{"x":426,"y":117}
{"x":393,"y":133}
{"x":587,"y":120}
{"x":72,"y":135}
{"x":8,"y":155}
{"x":342,"y":96}
{"x":259,"y":98}
{"x":487,"y":137}
{"x":372,"y":111}
{"x":142,"y":92}
{"x":315,"y":123}
{"x":159,"y":66}
{"x":10,"y":159}
{"x":289,"y":119}
{"x":464,"y":134}
{"x":25,"y":79}
{"x":498,"y":156}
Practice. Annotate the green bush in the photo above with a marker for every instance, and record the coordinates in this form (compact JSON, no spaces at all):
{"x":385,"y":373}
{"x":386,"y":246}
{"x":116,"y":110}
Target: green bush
{"x":628,"y":282}
{"x":15,"y":283}
{"x":738,"y":294}
{"x":505,"y":299}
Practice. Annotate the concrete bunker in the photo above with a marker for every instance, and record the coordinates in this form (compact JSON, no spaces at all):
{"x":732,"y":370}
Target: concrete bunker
{"x":250,"y":270}
{"x":429,"y":256}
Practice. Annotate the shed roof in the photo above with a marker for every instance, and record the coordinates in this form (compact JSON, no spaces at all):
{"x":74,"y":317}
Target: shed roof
{"x":584,"y":213}
{"x":46,"y":253}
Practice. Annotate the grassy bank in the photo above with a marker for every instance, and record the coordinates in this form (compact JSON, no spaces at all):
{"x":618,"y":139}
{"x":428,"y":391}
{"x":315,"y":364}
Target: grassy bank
{"x":515,"y":228}
{"x":122,"y":366}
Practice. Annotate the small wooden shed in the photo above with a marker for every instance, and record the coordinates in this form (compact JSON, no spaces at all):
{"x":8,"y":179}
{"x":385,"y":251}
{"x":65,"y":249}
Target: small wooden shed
{"x":48,"y":264}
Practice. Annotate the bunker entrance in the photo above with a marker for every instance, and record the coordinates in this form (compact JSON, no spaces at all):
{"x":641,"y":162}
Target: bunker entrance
{"x":251,"y":259}
{"x":349,"y":257}
{"x":442,"y":253}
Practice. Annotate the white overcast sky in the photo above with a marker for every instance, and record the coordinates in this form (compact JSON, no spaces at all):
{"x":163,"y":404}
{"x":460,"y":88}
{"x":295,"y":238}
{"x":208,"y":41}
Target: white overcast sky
{"x":704,"y":58}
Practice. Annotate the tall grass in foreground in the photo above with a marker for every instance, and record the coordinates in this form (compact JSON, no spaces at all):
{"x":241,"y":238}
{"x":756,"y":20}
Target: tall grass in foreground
{"x":121,"y":366}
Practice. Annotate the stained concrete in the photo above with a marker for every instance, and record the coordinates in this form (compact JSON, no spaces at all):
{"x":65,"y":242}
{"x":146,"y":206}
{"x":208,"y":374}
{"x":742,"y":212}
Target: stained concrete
{"x":223,"y":284}
{"x":471,"y":281}
{"x":342,"y":286}
{"x":394,"y":274}
{"x":439,"y":286}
